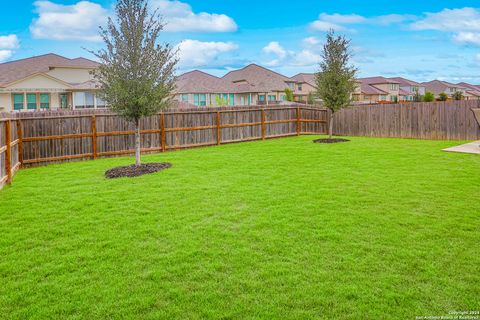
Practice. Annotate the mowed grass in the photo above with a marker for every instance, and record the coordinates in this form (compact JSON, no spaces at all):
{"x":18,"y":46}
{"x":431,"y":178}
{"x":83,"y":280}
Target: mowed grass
{"x":277,"y":229}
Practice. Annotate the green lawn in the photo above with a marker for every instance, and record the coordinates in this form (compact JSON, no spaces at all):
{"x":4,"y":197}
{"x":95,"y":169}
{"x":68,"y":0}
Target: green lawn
{"x":277,"y":229}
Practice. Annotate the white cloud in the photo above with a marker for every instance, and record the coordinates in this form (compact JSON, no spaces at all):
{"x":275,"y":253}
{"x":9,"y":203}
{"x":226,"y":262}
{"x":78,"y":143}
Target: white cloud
{"x":464,"y":23}
{"x":9,"y":42}
{"x":5,"y":54}
{"x":283,"y":57}
{"x":453,"y":20}
{"x":338,"y":22}
{"x":78,"y":21}
{"x":467,"y":38}
{"x":275,"y":48}
{"x":194,"y":53}
{"x":7,"y":46}
{"x":477,"y":57}
{"x":179,"y":16}
{"x":311,"y":41}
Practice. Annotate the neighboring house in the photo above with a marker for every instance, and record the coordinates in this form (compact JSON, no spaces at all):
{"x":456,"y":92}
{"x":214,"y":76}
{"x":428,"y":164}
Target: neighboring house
{"x":376,"y":90}
{"x":202,"y":89}
{"x":303,"y":86}
{"x":265,"y":86}
{"x":48,"y":82}
{"x":473,"y":91}
{"x":409,"y":89}
{"x":437,"y":87}
{"x":251,"y":85}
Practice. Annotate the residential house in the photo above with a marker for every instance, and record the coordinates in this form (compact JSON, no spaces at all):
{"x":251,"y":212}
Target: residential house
{"x":376,"y":90}
{"x":473,"y":91}
{"x":48,"y":82}
{"x":265,"y":86}
{"x":251,"y":85}
{"x":438,"y":86}
{"x":303,"y":86}
{"x":409,"y":89}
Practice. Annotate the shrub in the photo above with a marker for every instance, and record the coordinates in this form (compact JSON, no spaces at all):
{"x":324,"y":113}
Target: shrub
{"x":457,"y":95}
{"x":443,"y":96}
{"x":428,"y":97}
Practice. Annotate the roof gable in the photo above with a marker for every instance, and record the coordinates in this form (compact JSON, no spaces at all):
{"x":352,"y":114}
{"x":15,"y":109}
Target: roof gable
{"x":13,"y":71}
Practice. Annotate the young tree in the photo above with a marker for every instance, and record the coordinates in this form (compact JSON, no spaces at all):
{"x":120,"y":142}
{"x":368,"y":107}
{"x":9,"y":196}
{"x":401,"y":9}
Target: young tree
{"x":443,"y":96}
{"x":288,"y":94}
{"x":428,"y":97}
{"x":311,"y":98}
{"x":136,"y":75}
{"x":336,"y":77}
{"x":458,"y":95}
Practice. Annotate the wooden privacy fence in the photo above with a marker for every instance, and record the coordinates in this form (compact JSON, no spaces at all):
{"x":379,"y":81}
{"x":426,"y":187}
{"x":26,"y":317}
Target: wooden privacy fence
{"x":43,"y":137}
{"x":451,"y":120}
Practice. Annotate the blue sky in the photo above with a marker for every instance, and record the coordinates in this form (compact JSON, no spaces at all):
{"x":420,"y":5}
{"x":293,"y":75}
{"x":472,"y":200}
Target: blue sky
{"x":421,"y":40}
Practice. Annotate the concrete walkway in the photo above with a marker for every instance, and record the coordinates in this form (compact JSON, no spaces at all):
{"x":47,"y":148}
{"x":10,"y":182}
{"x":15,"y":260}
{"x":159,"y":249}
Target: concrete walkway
{"x":473,"y":147}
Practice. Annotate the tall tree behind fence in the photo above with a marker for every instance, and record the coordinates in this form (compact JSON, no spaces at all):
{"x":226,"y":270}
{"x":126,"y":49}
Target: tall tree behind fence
{"x":51,"y":136}
{"x":452,"y":120}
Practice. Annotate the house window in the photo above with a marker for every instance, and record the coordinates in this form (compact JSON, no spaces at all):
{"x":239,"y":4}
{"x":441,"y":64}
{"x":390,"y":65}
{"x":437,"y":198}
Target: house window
{"x":261,"y":98}
{"x":232,"y":99}
{"x":44,"y":100}
{"x":31,"y":101}
{"x":100,"y":102}
{"x":18,"y":101}
{"x":63,"y":101}
{"x":200,"y":99}
{"x":299,"y":87}
{"x":383,"y":98}
{"x":393,"y":86}
{"x":242,"y":101}
{"x":184,"y":97}
{"x":271,"y":98}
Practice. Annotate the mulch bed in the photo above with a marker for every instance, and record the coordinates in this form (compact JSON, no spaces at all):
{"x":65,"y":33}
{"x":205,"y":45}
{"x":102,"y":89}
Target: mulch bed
{"x":333,"y":140}
{"x":135,"y":171}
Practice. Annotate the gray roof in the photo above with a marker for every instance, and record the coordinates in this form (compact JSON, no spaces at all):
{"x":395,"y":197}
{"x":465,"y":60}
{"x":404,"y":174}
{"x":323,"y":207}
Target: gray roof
{"x":308,"y":78}
{"x":19,"y":69}
{"x":437,"y":86}
{"x":405,"y":82}
{"x":261,"y":79}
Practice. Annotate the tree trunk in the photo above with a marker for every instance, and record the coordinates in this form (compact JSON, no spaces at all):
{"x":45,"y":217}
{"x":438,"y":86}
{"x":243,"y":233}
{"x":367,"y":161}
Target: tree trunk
{"x":137,"y":143}
{"x":330,"y":126}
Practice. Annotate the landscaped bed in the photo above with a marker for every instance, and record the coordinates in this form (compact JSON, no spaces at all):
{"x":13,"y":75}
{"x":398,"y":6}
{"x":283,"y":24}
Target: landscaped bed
{"x":284,"y":228}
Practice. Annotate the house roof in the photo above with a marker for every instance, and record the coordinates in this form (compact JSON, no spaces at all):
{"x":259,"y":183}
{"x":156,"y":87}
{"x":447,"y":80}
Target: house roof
{"x":405,"y":82}
{"x":197,"y":81}
{"x":377,"y":80}
{"x":19,"y":69}
{"x":308,"y":78}
{"x":369,"y":89}
{"x":405,"y":93}
{"x":437,"y":86}
{"x":471,"y":89}
{"x":261,"y":79}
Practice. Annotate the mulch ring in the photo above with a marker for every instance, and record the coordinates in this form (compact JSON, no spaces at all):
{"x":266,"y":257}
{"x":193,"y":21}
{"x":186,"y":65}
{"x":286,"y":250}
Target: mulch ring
{"x":135,"y":171}
{"x":333,"y":140}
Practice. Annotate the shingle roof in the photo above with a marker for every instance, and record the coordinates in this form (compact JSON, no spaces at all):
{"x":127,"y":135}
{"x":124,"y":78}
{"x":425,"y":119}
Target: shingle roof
{"x":471,"y":89}
{"x":405,"y":82}
{"x":20,"y":69}
{"x":200,"y":82}
{"x":437,"y":86}
{"x":308,"y":78}
{"x":377,"y":80}
{"x":261,"y":79}
{"x":369,"y":89}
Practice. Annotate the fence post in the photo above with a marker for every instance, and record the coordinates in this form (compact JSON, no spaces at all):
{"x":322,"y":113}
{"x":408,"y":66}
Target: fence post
{"x":8,"y":165}
{"x":298,"y":121}
{"x":20,"y":141}
{"x":162,"y":129}
{"x":263,"y":124}
{"x":94,"y":137}
{"x":219,"y":137}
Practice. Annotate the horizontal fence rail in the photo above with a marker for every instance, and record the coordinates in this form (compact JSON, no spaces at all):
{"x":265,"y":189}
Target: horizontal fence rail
{"x":46,"y":137}
{"x":451,"y":120}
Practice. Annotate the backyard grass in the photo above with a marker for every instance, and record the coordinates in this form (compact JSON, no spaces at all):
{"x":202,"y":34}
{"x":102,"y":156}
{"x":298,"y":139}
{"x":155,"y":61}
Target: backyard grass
{"x":277,"y":229}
